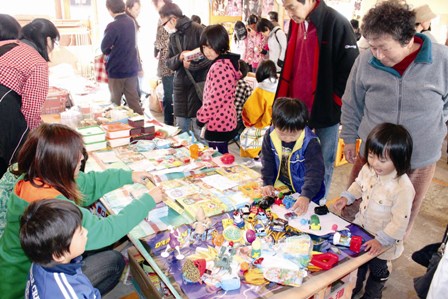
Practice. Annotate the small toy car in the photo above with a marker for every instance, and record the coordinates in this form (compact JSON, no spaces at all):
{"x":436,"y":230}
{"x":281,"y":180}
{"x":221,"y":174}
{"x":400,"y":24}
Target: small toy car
{"x":290,"y":215}
{"x":315,"y":222}
{"x":279,"y":225}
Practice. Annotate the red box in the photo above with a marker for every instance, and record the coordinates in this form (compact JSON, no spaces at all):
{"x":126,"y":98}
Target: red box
{"x":56,"y":101}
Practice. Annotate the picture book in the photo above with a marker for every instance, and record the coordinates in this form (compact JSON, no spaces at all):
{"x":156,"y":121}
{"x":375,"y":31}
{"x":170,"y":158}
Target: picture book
{"x":92,"y":134}
{"x":193,"y":55}
{"x":239,"y":173}
{"x":116,"y":130}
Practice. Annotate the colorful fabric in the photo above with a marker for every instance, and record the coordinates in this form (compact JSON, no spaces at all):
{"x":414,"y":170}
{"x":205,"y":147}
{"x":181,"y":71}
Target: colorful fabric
{"x":161,"y":44}
{"x":100,"y":69}
{"x":218,"y":108}
{"x":25,"y":71}
{"x":242,"y":93}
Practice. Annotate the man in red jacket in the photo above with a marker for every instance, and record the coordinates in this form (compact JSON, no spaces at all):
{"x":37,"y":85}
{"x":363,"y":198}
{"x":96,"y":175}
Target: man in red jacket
{"x":321,"y":51}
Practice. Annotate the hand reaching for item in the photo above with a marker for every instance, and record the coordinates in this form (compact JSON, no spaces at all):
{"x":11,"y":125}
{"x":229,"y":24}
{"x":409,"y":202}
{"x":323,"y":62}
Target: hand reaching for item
{"x":301,"y":205}
{"x":140,"y":177}
{"x":268,"y":190}
{"x":157,"y":194}
{"x":339,"y":204}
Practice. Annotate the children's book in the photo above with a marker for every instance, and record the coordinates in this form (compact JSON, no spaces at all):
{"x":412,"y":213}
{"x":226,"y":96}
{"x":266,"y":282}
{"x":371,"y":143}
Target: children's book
{"x":116,"y":130}
{"x":92,"y":134}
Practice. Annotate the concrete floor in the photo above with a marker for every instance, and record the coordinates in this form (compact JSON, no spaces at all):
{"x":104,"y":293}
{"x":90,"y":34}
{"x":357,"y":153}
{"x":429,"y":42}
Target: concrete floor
{"x":429,"y":228}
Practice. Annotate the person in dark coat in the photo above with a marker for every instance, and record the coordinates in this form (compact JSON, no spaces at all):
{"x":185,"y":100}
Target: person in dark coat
{"x":184,"y":37}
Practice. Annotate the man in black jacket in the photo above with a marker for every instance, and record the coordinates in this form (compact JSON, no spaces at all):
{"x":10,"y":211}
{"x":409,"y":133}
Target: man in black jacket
{"x":184,"y":37}
{"x":320,"y":54}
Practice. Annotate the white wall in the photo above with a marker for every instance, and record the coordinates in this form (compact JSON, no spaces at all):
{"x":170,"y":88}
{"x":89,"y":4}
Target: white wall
{"x":28,"y":7}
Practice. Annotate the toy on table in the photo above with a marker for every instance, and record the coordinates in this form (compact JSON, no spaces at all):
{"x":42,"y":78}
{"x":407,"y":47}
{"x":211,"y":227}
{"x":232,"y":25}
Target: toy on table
{"x":315,"y":222}
{"x":217,"y":239}
{"x":262,"y":217}
{"x":260,"y":230}
{"x":321,"y":210}
{"x":238,"y":219}
{"x":324,"y":261}
{"x":194,"y":151}
{"x":256,"y":249}
{"x":290,"y":216}
{"x":250,"y":236}
{"x":192,"y":271}
{"x":175,"y":238}
{"x":227,"y":159}
{"x":201,"y":226}
{"x":346,"y":239}
{"x":225,"y":257}
{"x":289,"y":201}
{"x":266,"y":202}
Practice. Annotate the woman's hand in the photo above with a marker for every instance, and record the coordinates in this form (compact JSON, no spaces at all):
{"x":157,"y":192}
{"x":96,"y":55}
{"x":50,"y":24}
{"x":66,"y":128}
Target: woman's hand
{"x":268,"y":190}
{"x":140,"y":177}
{"x":157,"y":194}
{"x":301,"y":205}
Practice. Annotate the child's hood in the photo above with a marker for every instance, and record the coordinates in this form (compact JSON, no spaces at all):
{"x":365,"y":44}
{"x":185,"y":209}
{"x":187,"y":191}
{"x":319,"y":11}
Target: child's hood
{"x":269,"y":84}
{"x":233,"y":58}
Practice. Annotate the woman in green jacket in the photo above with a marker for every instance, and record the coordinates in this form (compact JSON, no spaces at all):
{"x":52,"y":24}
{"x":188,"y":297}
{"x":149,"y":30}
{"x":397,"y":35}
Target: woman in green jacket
{"x":48,"y":167}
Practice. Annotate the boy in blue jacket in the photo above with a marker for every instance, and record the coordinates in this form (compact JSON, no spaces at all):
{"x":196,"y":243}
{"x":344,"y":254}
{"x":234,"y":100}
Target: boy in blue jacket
{"x":292,"y":156}
{"x":53,"y":238}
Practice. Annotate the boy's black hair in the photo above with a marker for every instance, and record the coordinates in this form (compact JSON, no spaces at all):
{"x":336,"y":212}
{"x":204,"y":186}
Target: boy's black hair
{"x":216,"y":37}
{"x":264,"y":25}
{"x":252,"y":19}
{"x":170,"y":9}
{"x":244,"y":68}
{"x":393,"y":141}
{"x":273,"y":16}
{"x":116,"y":6}
{"x":266,"y":69}
{"x":47,"y":227}
{"x":289,"y":114}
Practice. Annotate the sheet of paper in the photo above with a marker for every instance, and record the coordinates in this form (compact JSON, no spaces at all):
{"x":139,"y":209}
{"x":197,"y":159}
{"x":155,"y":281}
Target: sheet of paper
{"x":219,"y":182}
{"x":326,"y":221}
{"x":107,"y":157}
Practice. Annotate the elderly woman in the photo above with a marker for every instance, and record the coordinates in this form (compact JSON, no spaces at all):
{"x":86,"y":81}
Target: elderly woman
{"x":401,"y":80}
{"x":23,"y":84}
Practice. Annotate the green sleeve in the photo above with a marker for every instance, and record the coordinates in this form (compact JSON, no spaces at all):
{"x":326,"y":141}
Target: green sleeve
{"x":94,"y":185}
{"x":104,"y":231}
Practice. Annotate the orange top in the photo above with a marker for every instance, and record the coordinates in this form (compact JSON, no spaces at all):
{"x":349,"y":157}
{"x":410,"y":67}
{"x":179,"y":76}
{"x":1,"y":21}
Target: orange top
{"x":28,"y":192}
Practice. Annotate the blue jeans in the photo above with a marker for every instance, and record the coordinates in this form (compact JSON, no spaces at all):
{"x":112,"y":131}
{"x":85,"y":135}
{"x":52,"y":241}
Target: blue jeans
{"x":167,"y":83}
{"x":187,"y":124}
{"x":329,"y":143}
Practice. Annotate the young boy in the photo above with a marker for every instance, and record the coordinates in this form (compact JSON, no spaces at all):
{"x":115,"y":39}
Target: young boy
{"x":53,"y":238}
{"x":292,"y":156}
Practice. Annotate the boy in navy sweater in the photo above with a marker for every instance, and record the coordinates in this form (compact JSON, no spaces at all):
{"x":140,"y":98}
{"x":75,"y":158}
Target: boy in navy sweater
{"x":53,"y":238}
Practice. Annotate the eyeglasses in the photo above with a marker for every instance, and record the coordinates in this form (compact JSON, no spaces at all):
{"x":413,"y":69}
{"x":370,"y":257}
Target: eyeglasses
{"x":166,"y":22}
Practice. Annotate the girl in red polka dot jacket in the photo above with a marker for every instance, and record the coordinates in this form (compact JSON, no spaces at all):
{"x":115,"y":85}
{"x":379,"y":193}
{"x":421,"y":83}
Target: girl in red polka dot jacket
{"x":218,"y":111}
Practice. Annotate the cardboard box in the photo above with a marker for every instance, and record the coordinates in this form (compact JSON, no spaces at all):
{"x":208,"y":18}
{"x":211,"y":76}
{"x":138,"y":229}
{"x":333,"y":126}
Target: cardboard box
{"x":141,"y":277}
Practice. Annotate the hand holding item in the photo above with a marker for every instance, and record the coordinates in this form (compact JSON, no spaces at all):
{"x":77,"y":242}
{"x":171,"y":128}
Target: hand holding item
{"x":186,"y":64}
{"x":339,"y":204}
{"x":301,"y":205}
{"x":140,"y":177}
{"x":350,"y":152}
{"x":156,"y":194}
{"x":268,"y":190}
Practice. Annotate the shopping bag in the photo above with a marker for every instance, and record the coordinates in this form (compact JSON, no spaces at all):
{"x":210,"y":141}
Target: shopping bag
{"x":251,"y":140}
{"x":100,"y":69}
